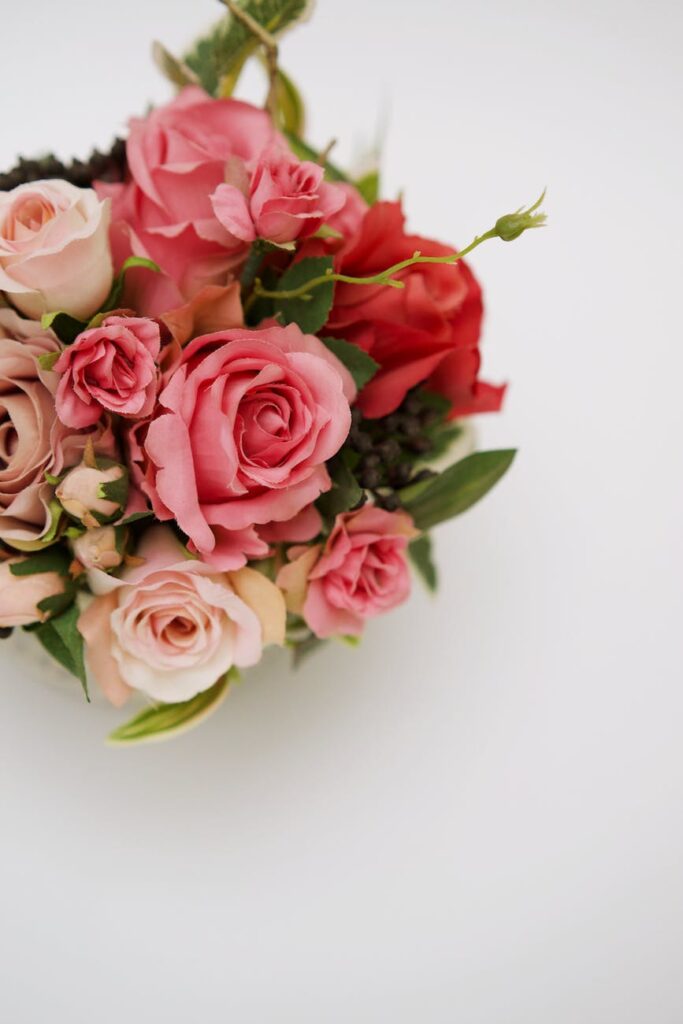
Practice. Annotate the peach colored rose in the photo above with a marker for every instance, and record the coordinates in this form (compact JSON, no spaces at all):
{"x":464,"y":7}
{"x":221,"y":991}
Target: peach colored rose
{"x":54,"y":248}
{"x":110,"y":368}
{"x":286,"y":199}
{"x":177,"y":156}
{"x":99,"y":548}
{"x":82,"y":493}
{"x":21,"y":595}
{"x":172,"y":627}
{"x":359,"y":573}
{"x":242,"y":432}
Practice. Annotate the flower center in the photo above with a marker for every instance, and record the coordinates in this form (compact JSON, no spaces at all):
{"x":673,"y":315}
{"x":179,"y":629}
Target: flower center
{"x":28,"y":216}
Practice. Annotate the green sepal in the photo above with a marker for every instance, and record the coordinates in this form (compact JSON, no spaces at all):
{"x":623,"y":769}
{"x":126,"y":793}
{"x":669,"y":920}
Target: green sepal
{"x":291,"y":112}
{"x":311,"y":311}
{"x":60,"y":638}
{"x":345,"y":492}
{"x":420,"y":554}
{"x":172,"y":68}
{"x":53,"y":559}
{"x":66,"y":327}
{"x":135,"y":517}
{"x":368,"y":186}
{"x":360,"y":365}
{"x":456,"y":489}
{"x":161,"y":721}
{"x":115,"y":490}
{"x":48,"y":360}
{"x":58,"y":603}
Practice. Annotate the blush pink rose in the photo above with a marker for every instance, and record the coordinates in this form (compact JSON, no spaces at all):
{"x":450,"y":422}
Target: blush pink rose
{"x":360,"y":572}
{"x":54,"y":248}
{"x":242,"y":432}
{"x":177,"y":156}
{"x":171,"y":627}
{"x":286,"y":199}
{"x":109,"y":368}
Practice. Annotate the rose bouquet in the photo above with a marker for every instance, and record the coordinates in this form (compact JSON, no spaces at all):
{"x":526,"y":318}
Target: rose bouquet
{"x":227,"y":374}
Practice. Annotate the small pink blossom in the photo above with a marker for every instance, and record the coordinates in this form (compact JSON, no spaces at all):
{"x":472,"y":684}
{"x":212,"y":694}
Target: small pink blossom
{"x":109,"y":368}
{"x":360,"y":572}
{"x":286,"y":200}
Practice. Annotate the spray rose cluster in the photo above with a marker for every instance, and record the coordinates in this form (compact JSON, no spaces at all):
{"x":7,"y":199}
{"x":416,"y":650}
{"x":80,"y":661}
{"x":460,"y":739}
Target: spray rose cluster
{"x":226,"y":374}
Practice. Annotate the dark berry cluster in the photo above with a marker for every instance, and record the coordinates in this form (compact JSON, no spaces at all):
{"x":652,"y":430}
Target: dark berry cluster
{"x":110,"y":166}
{"x":388,"y":448}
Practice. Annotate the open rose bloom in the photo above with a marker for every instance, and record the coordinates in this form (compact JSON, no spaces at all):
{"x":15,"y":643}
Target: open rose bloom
{"x":230,"y":377}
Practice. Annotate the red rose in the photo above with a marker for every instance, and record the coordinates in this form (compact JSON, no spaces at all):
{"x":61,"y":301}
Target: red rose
{"x":427,"y":331}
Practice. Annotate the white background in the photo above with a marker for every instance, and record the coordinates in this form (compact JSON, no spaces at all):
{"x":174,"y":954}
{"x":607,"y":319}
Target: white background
{"x":477,"y":817}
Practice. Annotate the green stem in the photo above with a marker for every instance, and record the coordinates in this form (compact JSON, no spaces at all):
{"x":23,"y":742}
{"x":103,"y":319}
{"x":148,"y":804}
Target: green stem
{"x":385,"y":277}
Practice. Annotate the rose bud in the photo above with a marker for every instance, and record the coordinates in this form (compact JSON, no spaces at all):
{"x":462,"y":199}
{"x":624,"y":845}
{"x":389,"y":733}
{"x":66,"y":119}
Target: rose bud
{"x":94,"y":495}
{"x":101,"y":548}
{"x":21,"y":595}
{"x":512,"y":225}
{"x":54,"y":248}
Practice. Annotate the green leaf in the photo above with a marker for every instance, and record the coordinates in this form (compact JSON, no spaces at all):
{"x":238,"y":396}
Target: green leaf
{"x":345,"y":493}
{"x":218,"y":58}
{"x":311,"y":311}
{"x":54,"y":559}
{"x":173,"y":69}
{"x":60,"y":638}
{"x":306,"y":152}
{"x":420,"y":553}
{"x":368,"y":186}
{"x":162,"y":721}
{"x":66,"y":327}
{"x":360,"y":365}
{"x":456,"y":489}
{"x":290,"y":105}
{"x":113,"y":300}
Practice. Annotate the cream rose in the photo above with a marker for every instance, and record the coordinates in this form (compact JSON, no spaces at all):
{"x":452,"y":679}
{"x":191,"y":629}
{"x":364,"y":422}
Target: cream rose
{"x":54,"y":248}
{"x":172,"y":626}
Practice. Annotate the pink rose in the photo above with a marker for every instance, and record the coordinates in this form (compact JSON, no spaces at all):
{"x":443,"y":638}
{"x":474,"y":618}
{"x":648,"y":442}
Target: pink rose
{"x":84,"y":493}
{"x":177,"y":157}
{"x":242,"y":432}
{"x":54,"y":248}
{"x":101,"y":548}
{"x":111,"y":367}
{"x":21,"y":595}
{"x":360,"y":572}
{"x":285,"y":200}
{"x":172,"y":627}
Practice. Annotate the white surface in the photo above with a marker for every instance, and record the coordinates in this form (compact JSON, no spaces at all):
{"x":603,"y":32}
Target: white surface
{"x":477,"y":818}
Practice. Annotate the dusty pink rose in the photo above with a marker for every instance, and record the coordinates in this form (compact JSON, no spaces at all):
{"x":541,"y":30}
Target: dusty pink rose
{"x":360,"y":572}
{"x":286,"y":199}
{"x":242,"y":432}
{"x":54,"y":248}
{"x":177,"y":157}
{"x":21,"y":595}
{"x":172,"y":627}
{"x":109,"y":368}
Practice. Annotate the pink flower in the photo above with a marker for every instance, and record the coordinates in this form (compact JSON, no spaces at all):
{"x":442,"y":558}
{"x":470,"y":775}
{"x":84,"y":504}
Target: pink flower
{"x":54,"y":248}
{"x":172,"y":627}
{"x":32,"y":440}
{"x":21,"y":595}
{"x":359,"y":573}
{"x":285,"y":200}
{"x":242,"y":432}
{"x":111,"y":367}
{"x":177,"y":157}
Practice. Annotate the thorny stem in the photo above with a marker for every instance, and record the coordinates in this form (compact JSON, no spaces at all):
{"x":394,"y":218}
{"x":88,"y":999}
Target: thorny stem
{"x":269,"y":45}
